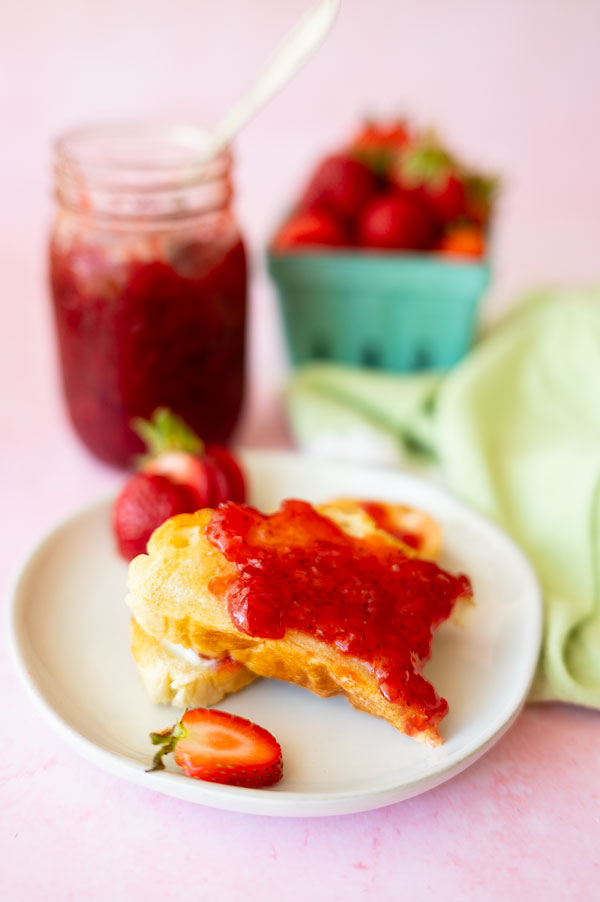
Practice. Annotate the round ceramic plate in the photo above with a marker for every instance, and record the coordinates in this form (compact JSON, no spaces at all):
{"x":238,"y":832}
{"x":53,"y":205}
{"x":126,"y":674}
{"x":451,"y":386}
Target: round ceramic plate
{"x":70,"y":637}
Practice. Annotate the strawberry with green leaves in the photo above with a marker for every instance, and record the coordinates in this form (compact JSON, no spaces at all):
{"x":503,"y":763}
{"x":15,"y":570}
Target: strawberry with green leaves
{"x":481,"y":192}
{"x":175,"y":451}
{"x":428,"y":170}
{"x":377,"y":143}
{"x":219,"y":747}
{"x":393,"y":187}
{"x":179,"y":474}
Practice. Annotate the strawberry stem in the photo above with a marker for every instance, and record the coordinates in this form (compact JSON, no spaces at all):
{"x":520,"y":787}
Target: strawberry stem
{"x":168,"y":739}
{"x":166,"y":431}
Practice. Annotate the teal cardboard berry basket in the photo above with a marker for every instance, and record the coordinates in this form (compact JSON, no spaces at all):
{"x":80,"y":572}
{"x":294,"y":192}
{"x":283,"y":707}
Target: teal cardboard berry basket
{"x":392,"y":311}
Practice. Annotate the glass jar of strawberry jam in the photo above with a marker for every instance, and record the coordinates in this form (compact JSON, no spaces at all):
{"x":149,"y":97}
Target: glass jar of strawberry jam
{"x":148,"y":280}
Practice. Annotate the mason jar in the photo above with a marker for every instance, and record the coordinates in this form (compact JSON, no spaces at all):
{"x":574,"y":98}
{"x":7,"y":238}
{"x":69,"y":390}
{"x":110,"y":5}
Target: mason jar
{"x":149,"y":284}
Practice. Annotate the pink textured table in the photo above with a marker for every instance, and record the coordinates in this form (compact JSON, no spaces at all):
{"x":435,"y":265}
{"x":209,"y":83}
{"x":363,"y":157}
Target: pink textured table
{"x":524,"y":821}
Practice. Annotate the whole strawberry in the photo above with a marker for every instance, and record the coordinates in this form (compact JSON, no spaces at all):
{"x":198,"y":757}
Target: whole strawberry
{"x":377,"y":135}
{"x":219,"y":747}
{"x":395,"y":221}
{"x":340,"y":185}
{"x":462,"y":240}
{"x":311,"y":227}
{"x":426,"y":169}
{"x":178,"y":475}
{"x":377,"y":143}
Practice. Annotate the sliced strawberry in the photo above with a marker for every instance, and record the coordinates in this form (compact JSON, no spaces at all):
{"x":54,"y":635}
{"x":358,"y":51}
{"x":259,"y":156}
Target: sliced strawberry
{"x":395,"y":221}
{"x":186,"y":470}
{"x":219,"y":747}
{"x":228,"y":465}
{"x":210,"y":472}
{"x":146,"y":501}
{"x":313,"y":227}
{"x":341,"y":185}
{"x":219,"y":484}
{"x":177,"y":476}
{"x":167,"y":431}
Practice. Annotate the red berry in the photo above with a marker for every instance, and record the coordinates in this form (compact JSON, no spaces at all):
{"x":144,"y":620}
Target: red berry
{"x":377,"y":144}
{"x":219,"y":486}
{"x":219,"y":747}
{"x":379,"y":135}
{"x":185,"y":469}
{"x":463,"y":241}
{"x":228,"y":465}
{"x":341,"y":185}
{"x":146,"y":501}
{"x":311,"y":227}
{"x":427,"y":169}
{"x":179,"y":476}
{"x":395,"y":221}
{"x":446,"y":198}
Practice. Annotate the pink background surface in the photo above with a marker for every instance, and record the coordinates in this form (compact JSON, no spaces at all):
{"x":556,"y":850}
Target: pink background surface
{"x":515,"y":87}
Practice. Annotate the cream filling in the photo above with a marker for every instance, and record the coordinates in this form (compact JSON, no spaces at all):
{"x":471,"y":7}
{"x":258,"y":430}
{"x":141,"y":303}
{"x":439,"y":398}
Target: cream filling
{"x":189,"y":655}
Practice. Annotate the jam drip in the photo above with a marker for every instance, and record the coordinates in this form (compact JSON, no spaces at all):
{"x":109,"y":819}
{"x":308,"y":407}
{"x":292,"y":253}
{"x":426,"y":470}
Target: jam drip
{"x":367,"y":598}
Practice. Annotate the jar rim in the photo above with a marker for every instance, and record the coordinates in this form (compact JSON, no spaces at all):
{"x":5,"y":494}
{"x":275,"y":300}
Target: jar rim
{"x":132,"y":168}
{"x":146,"y":145}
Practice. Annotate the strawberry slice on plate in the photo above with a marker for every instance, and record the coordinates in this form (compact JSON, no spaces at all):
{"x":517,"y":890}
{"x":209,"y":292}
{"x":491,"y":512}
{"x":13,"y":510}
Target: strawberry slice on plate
{"x":220,"y":747}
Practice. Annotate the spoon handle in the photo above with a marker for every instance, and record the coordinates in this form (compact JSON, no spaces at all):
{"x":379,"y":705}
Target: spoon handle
{"x":299,"y":43}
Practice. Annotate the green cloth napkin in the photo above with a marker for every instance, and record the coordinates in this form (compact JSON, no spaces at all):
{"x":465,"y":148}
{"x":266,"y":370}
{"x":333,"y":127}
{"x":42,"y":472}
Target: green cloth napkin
{"x":515,"y":429}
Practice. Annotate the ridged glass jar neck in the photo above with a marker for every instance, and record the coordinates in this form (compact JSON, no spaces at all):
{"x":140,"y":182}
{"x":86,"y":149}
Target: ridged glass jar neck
{"x":145,"y":174}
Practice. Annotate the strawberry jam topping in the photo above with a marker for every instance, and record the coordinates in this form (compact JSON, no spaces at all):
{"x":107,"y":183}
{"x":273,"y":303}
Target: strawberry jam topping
{"x":366,"y":597}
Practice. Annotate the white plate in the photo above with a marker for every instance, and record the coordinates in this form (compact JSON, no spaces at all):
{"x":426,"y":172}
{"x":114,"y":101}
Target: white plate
{"x":70,"y":638}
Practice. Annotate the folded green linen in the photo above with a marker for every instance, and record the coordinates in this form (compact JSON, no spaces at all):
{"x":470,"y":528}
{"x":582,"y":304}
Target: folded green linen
{"x":515,"y":429}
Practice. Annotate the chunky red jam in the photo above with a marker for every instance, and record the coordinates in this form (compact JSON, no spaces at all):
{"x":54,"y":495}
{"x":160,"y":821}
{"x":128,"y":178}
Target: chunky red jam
{"x":297,"y":570}
{"x":383,"y":518}
{"x":135,"y":334}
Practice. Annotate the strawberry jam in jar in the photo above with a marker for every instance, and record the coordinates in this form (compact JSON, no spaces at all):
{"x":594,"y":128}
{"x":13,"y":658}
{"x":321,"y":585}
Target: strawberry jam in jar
{"x":149,"y":283}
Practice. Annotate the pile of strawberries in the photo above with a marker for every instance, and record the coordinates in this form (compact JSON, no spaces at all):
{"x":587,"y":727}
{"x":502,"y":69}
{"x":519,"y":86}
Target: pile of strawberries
{"x":392,"y":188}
